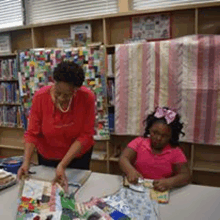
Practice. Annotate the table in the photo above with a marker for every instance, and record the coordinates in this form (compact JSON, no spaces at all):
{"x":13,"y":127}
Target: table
{"x":191,"y":202}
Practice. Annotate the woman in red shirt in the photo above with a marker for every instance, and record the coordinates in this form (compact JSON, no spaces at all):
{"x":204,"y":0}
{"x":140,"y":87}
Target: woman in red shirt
{"x":61,"y":123}
{"x":157,"y":155}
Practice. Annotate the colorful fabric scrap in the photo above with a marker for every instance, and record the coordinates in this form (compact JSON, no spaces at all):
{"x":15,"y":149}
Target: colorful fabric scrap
{"x":35,"y":202}
{"x":160,"y":197}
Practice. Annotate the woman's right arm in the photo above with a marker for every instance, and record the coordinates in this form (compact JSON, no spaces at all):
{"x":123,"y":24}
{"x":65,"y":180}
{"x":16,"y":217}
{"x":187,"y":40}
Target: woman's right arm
{"x":28,"y":152}
{"x":31,"y":135}
{"x":125,"y":163}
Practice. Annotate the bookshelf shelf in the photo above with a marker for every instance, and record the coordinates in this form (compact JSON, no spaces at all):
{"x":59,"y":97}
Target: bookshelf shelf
{"x":114,"y":159}
{"x":207,"y":166}
{"x":20,"y":128}
{"x":98,"y":159}
{"x":8,"y":80}
{"x":99,"y":155}
{"x":96,"y":138}
{"x":6,"y":56}
{"x":10,"y":104}
{"x":110,"y":46}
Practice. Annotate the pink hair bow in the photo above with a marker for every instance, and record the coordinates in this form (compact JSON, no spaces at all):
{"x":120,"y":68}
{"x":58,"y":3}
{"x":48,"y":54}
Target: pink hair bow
{"x":169,"y":115}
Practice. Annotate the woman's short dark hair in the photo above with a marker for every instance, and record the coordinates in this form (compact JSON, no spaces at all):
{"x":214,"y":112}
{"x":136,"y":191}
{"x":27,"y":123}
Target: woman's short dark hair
{"x":176,"y":127}
{"x":69,"y":72}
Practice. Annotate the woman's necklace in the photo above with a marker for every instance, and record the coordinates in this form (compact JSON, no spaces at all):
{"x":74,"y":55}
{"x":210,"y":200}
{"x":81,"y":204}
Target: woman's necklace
{"x":68,"y":107}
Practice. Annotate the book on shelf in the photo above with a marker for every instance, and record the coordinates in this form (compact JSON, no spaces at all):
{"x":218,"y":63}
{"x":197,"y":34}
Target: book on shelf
{"x":111,"y":92}
{"x":8,"y":69}
{"x":81,"y":34}
{"x":110,"y":72}
{"x":11,"y":116}
{"x":101,"y":126}
{"x":98,"y":155}
{"x":9,"y":93}
{"x":64,"y":43}
{"x":5,"y":44}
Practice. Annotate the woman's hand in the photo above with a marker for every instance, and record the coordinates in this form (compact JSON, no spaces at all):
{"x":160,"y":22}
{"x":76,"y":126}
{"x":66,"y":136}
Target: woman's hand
{"x":162,"y":185}
{"x":61,"y":177}
{"x":133,"y":176}
{"x":23,"y":170}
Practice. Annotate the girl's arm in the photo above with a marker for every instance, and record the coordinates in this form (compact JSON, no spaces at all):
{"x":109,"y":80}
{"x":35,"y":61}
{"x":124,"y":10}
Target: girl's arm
{"x":125,"y":163}
{"x":181,"y":178}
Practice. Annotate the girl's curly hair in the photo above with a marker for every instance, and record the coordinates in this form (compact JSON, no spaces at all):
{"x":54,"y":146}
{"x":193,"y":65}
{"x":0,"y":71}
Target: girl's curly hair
{"x":176,"y":127}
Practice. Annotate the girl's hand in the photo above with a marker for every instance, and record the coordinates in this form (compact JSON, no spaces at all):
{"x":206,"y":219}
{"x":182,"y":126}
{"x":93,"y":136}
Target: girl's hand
{"x":23,"y":170}
{"x":61,"y":177}
{"x":162,"y":185}
{"x":133,"y":176}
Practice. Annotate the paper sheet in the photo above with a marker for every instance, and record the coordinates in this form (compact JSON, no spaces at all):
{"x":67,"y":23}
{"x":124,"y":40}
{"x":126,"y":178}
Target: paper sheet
{"x":33,"y":189}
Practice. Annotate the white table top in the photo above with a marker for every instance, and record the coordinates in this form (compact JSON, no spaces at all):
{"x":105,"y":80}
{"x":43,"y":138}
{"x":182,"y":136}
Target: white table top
{"x":191,"y":202}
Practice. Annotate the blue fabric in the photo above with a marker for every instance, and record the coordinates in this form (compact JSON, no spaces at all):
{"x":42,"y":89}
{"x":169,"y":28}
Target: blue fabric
{"x":136,"y":205}
{"x":116,"y":215}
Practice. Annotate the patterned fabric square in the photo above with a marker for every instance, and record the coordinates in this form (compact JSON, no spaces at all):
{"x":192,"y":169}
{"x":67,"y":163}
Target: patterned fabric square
{"x":134,"y":204}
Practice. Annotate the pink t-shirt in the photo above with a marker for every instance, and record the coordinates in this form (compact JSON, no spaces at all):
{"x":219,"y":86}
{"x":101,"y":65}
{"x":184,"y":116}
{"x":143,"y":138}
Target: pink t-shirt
{"x":155,"y":166}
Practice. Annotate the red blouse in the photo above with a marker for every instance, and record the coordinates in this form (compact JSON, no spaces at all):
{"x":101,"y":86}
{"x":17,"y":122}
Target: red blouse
{"x":53,"y":132}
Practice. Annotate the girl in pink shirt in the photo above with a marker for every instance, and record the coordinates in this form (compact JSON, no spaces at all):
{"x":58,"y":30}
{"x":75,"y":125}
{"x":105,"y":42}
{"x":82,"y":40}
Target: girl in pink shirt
{"x":157,"y":155}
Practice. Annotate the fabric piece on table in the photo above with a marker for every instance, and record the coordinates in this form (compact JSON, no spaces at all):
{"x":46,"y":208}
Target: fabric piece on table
{"x":136,"y":205}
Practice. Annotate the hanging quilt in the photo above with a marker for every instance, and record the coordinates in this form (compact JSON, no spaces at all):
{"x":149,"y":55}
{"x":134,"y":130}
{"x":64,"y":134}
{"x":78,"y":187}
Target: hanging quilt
{"x":181,"y":73}
{"x":36,"y":67}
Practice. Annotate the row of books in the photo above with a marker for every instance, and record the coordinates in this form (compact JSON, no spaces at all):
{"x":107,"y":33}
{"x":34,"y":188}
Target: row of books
{"x":8,"y":69}
{"x":9,"y":93}
{"x":10,"y":116}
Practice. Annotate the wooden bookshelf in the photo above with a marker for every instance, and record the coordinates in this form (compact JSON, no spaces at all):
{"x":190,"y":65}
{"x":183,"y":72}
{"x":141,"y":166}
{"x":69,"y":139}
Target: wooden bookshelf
{"x":112,"y":29}
{"x":206,"y":178}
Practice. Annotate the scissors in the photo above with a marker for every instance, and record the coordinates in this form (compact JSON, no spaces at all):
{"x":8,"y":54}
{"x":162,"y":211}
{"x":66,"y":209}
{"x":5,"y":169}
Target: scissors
{"x":73,"y":184}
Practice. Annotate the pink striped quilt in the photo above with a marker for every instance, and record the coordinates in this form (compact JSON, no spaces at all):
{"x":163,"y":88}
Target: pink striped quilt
{"x":181,"y":73}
